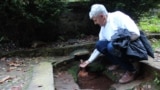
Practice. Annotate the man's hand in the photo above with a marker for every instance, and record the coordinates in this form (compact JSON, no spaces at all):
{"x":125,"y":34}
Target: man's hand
{"x":84,"y":64}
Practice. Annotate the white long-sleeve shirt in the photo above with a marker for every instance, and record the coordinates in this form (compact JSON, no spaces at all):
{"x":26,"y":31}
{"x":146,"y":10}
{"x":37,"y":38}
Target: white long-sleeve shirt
{"x":115,"y":20}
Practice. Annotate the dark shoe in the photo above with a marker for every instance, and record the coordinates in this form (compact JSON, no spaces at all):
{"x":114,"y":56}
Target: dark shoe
{"x":127,"y":77}
{"x":113,"y":67}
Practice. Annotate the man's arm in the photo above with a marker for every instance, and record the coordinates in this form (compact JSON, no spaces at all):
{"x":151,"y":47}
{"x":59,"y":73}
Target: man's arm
{"x":93,"y":56}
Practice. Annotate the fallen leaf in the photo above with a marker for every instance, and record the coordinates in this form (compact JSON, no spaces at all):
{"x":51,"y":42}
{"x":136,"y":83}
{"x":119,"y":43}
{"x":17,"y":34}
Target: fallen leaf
{"x":5,"y":79}
{"x":14,"y":64}
{"x":19,"y":69}
{"x":11,"y":68}
{"x":3,"y":59}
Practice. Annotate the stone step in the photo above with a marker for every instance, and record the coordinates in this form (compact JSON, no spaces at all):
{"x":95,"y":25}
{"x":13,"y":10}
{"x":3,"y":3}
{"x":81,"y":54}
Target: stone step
{"x":43,"y":73}
{"x":42,"y":78}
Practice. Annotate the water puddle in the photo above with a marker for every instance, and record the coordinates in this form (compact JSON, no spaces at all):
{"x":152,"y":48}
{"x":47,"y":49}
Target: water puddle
{"x":68,"y":76}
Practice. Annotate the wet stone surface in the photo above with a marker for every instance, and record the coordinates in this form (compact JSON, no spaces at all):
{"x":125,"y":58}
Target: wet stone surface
{"x":94,"y":81}
{"x":65,"y":81}
{"x":68,"y":76}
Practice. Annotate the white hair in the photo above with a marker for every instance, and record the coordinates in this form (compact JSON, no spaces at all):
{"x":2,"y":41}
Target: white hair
{"x":97,"y":9}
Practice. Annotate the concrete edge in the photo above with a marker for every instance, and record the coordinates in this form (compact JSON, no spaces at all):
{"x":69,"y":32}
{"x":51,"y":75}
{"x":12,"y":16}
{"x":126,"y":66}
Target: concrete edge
{"x":42,"y":77}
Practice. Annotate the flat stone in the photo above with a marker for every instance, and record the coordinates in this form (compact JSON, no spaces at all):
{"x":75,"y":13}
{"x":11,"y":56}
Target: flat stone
{"x":42,"y":77}
{"x":157,"y":50}
{"x":80,"y":52}
{"x":65,"y":81}
{"x":154,"y":63}
{"x":127,"y":86}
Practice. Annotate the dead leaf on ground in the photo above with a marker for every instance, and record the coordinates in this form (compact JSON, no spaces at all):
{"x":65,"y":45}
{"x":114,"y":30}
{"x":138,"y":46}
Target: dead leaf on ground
{"x":3,"y":59}
{"x":11,"y":68}
{"x":19,"y":69}
{"x":14,"y":64}
{"x":5,"y":79}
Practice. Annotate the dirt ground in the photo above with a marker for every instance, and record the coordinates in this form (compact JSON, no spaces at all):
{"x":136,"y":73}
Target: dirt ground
{"x":65,"y":81}
{"x":15,"y":72}
{"x":94,"y":81}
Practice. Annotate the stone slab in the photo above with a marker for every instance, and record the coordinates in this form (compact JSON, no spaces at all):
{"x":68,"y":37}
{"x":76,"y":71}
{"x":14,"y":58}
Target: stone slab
{"x":155,"y":63}
{"x":42,"y":77}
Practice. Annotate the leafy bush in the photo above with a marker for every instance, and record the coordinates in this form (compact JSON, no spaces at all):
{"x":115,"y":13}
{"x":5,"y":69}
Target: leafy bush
{"x":27,"y":20}
{"x":134,"y":8}
{"x":150,"y":24}
{"x":24,"y":21}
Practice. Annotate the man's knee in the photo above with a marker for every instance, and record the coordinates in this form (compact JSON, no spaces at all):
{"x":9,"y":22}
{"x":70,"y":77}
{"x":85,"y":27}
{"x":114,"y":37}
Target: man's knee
{"x":101,"y":46}
{"x":110,"y":47}
{"x":113,"y":51}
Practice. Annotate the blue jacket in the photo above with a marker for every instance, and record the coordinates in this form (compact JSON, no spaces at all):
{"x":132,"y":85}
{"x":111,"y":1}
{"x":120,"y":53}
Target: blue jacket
{"x":138,"y":49}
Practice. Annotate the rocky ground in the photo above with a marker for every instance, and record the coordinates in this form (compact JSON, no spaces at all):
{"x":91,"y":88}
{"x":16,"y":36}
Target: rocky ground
{"x":15,"y":72}
{"x":11,"y":46}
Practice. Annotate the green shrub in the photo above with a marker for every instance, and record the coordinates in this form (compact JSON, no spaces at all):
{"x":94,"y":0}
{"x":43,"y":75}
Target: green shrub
{"x":27,"y":20}
{"x":150,"y":24}
{"x":134,"y":8}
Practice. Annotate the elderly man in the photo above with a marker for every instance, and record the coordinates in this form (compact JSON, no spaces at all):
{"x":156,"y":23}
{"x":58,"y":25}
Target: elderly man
{"x":110,"y":23}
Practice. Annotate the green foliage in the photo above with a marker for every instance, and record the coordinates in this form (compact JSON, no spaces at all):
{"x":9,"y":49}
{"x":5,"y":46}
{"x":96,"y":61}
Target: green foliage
{"x":111,"y":75}
{"x":25,"y":21}
{"x":28,"y":20}
{"x":75,"y":0}
{"x":150,"y":24}
{"x":74,"y":72}
{"x":96,"y":67}
{"x":155,"y":43}
{"x":38,"y":10}
{"x":157,"y":78}
{"x":134,"y":8}
{"x":3,"y":39}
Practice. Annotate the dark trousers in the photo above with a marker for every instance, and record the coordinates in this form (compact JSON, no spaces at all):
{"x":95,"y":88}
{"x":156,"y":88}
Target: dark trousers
{"x":106,"y":48}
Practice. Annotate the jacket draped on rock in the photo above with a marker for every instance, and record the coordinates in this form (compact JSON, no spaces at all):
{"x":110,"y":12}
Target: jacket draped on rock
{"x":138,"y":49}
